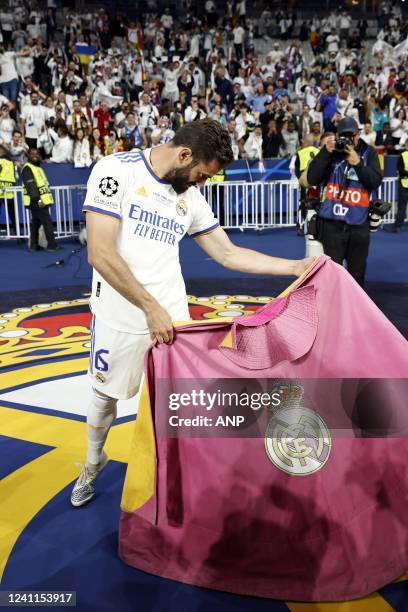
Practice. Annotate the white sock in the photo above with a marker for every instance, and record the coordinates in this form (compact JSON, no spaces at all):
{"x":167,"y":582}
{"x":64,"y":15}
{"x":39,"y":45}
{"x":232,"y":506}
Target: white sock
{"x":101,"y":414}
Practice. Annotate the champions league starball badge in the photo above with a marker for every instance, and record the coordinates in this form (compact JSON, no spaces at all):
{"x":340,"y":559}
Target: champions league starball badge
{"x":108,"y":186}
{"x":297,"y":439}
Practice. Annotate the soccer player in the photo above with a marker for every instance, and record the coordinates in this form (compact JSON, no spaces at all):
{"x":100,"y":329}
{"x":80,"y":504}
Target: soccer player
{"x":138,"y":206}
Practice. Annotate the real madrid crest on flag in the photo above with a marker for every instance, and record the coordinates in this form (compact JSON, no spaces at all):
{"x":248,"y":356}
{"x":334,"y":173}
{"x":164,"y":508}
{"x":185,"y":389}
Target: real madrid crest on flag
{"x":181,"y":208}
{"x":297,"y":439}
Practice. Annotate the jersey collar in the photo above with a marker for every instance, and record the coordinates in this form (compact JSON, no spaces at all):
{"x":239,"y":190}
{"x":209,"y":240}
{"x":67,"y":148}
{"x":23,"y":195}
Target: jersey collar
{"x":146,"y":159}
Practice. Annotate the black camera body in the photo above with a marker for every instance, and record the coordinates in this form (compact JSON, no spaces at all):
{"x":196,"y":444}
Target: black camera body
{"x":379,"y":207}
{"x":341,"y":143}
{"x":312,"y":204}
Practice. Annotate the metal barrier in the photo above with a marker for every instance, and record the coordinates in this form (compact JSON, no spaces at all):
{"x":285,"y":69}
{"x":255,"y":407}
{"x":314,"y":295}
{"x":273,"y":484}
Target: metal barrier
{"x":240,"y":205}
{"x":255,"y":205}
{"x":261,"y":205}
{"x":61,"y":213}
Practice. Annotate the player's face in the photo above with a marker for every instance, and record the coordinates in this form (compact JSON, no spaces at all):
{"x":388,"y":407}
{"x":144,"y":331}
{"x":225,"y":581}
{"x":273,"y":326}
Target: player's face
{"x":194,"y":174}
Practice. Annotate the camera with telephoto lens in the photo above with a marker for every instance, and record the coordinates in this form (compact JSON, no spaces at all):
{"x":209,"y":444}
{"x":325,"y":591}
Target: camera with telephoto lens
{"x":378,"y":209}
{"x":341,"y":143}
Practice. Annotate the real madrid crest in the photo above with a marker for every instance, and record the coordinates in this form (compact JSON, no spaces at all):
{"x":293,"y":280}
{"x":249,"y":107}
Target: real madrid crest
{"x":181,"y":208}
{"x":297,"y":439}
{"x":100,"y":377}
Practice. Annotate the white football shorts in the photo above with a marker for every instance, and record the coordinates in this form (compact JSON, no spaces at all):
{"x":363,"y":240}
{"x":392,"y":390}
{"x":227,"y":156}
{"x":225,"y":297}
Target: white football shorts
{"x":116,"y":360}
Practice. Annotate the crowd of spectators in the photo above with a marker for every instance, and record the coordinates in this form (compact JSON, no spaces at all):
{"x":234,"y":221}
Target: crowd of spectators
{"x":81,"y":85}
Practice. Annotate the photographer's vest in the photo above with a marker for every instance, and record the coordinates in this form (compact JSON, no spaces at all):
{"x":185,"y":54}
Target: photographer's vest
{"x":344,"y":197}
{"x":42,"y":183}
{"x":404,"y":181}
{"x":7,"y":178}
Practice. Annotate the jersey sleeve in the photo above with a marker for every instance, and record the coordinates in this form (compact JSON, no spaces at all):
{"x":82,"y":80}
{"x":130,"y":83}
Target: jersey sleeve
{"x":106,"y":188}
{"x":203,"y":219}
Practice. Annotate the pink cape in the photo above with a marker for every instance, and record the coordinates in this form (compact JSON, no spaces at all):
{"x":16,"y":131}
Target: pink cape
{"x":216,"y":512}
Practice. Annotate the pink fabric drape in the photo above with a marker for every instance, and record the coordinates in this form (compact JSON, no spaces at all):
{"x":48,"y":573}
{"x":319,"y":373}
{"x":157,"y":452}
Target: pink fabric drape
{"x":223,"y":516}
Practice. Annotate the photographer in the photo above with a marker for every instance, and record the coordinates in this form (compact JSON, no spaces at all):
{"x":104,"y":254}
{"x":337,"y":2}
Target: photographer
{"x":348,"y":169}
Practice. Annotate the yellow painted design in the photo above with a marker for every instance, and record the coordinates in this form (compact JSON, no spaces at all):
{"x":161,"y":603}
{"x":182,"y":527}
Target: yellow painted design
{"x":13,"y":332}
{"x":372,"y":603}
{"x":403,"y":577}
{"x":54,"y":470}
{"x":39,"y":372}
{"x":139,"y":481}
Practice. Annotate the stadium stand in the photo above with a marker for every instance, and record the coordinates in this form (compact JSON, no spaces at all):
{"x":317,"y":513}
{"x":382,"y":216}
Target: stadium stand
{"x":111,"y":79}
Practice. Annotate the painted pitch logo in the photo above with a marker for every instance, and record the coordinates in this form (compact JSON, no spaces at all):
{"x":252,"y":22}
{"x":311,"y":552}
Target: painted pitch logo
{"x":46,"y":334}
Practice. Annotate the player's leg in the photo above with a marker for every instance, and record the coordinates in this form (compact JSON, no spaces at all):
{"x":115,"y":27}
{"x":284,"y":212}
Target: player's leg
{"x":102,"y":411}
{"x":115,"y":368}
{"x":101,"y":415}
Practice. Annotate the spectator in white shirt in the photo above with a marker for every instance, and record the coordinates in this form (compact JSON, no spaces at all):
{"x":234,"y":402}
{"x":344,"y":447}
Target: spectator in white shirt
{"x":368,"y":134}
{"x":344,"y":102}
{"x":253,"y":144}
{"x":399,"y":127}
{"x":380,"y":80}
{"x":7,"y":25}
{"x":19,"y":37}
{"x":7,"y":125}
{"x":171,"y":75}
{"x":32,"y":120}
{"x":33,"y":28}
{"x":62,"y":148}
{"x":147,"y":113}
{"x":25,"y":66}
{"x":243,"y":121}
{"x":290,"y":140}
{"x":82,"y":156}
{"x":345,"y":25}
{"x":268,"y":69}
{"x":239,"y":36}
{"x":49,"y":108}
{"x":193,"y":112}
{"x":8,"y":72}
{"x":162,"y":133}
{"x":332,"y":41}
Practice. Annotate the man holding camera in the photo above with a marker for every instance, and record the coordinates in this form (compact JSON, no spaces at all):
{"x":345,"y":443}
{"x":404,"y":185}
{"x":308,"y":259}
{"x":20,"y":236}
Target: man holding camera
{"x":348,"y":170}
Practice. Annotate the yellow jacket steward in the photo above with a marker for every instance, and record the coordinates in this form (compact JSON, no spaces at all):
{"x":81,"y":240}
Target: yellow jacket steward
{"x":403,"y":176}
{"x":305,"y":155}
{"x":217,"y":178}
{"x":7,"y":178}
{"x":42,"y":184}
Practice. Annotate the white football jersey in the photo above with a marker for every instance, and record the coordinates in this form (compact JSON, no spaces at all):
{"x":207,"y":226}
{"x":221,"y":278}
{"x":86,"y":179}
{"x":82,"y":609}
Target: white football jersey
{"x":153,"y":219}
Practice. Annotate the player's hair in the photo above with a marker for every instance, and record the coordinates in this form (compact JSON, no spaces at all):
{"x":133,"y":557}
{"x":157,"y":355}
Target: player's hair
{"x":207,"y":139}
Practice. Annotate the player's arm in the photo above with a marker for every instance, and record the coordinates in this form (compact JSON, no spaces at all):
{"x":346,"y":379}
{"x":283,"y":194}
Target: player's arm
{"x":102,"y":233}
{"x":218,"y":246}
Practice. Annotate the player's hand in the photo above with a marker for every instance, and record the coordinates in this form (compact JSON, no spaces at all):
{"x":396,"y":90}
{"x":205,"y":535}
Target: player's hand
{"x":160,"y":325}
{"x":330,"y":143}
{"x":303,"y":264}
{"x":352,"y":156}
